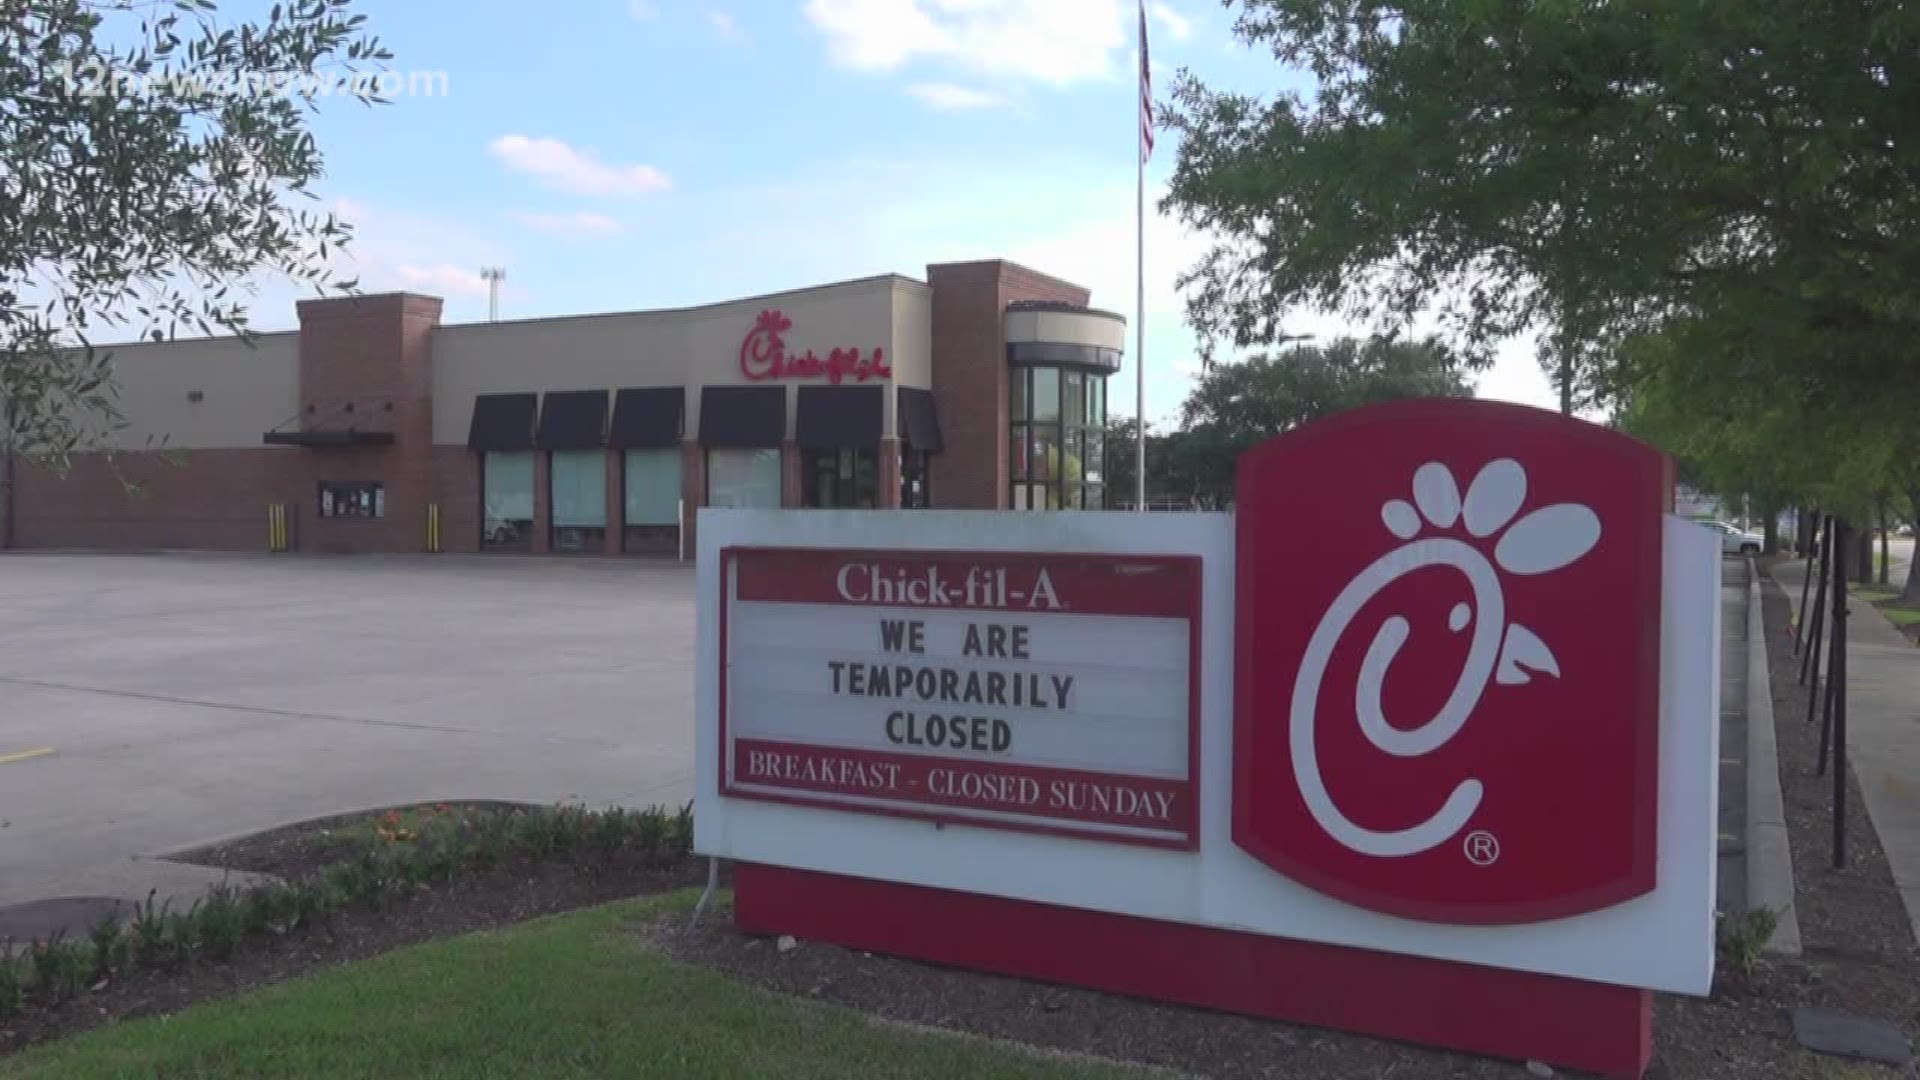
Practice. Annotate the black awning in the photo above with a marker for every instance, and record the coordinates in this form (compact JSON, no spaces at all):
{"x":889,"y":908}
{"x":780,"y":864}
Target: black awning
{"x":919,"y":422}
{"x":829,"y":417}
{"x":343,"y":437}
{"x":743,"y":416}
{"x":503,"y":422}
{"x":648,"y":418}
{"x":573,"y":420}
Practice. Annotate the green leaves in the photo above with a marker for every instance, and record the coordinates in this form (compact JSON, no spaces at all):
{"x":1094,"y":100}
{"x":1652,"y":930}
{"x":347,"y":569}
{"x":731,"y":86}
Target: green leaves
{"x":146,"y":159}
{"x":1238,"y":405}
{"x":1602,"y":169}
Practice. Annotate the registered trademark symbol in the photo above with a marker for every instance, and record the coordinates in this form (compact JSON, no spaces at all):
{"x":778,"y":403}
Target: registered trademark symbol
{"x":1483,"y":848}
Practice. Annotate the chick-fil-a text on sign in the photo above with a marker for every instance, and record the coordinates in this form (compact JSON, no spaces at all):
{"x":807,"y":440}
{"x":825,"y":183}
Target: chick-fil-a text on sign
{"x":1050,"y":693}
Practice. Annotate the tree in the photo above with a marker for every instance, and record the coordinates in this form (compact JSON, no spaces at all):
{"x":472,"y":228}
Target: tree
{"x":1704,"y":395}
{"x":1238,"y":405}
{"x":151,"y":158}
{"x":1161,"y":478}
{"x":1600,"y":169}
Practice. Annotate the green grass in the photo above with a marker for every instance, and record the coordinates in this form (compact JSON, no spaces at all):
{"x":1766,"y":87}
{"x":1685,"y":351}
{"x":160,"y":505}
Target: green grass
{"x":1900,"y":616}
{"x":577,"y":995}
{"x":1873,"y":594}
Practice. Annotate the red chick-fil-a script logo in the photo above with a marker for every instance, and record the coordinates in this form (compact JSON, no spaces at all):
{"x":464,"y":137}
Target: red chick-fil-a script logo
{"x":763,"y":355}
{"x":1500,"y":651}
{"x":1447,"y":661}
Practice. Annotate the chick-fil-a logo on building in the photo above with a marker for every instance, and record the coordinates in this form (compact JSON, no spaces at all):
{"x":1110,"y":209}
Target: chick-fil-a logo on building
{"x":1447,"y":705}
{"x":763,"y":355}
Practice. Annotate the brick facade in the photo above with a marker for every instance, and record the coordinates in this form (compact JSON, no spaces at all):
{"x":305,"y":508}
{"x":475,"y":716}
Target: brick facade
{"x":366,"y":365}
{"x":970,"y":373}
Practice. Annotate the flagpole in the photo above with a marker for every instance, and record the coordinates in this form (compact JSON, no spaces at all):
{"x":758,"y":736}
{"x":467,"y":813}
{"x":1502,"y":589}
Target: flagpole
{"x":1140,"y":281}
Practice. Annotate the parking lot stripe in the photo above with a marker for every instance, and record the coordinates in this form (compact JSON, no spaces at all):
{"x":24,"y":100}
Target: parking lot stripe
{"x":25,"y":754}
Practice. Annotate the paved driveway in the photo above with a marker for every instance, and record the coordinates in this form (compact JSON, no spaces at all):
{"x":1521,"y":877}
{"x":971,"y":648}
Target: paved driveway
{"x":151,"y":702}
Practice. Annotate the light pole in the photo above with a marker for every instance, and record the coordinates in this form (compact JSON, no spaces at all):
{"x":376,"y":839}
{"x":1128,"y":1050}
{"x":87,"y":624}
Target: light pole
{"x":493,"y":276}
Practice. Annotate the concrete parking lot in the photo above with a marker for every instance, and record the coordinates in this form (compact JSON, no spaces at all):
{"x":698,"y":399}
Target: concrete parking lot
{"x":148,"y":702}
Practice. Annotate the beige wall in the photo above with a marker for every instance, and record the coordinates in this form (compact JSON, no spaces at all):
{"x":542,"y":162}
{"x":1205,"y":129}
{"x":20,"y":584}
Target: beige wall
{"x":245,"y":391}
{"x":690,"y":347}
{"x":1065,"y":327}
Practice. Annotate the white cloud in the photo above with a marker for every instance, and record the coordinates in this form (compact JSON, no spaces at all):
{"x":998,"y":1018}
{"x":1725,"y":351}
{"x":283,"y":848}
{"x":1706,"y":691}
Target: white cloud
{"x":579,"y":171}
{"x":578,"y":224}
{"x":723,"y":24}
{"x":952,"y":96}
{"x":1055,"y":42}
{"x":643,"y":10}
{"x":1177,"y":24}
{"x":442,"y":279}
{"x":396,"y":250}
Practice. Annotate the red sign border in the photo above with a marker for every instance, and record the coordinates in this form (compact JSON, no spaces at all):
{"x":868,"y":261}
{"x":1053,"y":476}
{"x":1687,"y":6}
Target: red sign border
{"x":1659,"y":477}
{"x":1193,"y":565}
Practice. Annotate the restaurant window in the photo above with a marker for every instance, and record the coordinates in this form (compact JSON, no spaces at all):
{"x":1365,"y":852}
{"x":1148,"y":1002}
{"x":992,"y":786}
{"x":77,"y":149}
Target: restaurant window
{"x":1056,"y":428}
{"x":652,"y":483}
{"x":743,"y":478}
{"x":579,"y":500}
{"x":506,"y":482}
{"x":352,"y":500}
{"x":842,"y":477}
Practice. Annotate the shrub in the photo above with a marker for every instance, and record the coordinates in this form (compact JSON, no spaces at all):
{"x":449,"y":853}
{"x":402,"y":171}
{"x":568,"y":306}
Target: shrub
{"x":682,"y":832}
{"x":13,"y":983}
{"x":219,"y":923}
{"x":535,"y":831}
{"x":1744,"y":937}
{"x":612,"y":830}
{"x":152,"y":945}
{"x":258,"y":908}
{"x":111,"y":948}
{"x":61,"y":967}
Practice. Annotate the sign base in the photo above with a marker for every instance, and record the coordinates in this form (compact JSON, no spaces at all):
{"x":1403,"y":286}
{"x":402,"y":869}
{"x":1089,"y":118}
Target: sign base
{"x":1596,"y":1027}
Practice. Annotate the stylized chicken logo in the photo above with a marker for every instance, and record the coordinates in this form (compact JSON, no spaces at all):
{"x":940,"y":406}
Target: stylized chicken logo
{"x":1502,"y":652}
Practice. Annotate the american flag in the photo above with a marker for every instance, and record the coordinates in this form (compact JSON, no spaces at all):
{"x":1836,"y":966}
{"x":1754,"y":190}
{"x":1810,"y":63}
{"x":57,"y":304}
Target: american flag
{"x":1146,"y":92}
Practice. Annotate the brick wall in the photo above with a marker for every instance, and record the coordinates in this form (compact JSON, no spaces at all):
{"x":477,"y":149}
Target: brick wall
{"x":367,"y":362}
{"x":970,"y":373}
{"x":214,"y":499}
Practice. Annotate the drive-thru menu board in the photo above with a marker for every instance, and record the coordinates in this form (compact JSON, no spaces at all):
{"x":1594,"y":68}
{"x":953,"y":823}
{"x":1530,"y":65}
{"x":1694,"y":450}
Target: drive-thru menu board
{"x":1054,"y":693}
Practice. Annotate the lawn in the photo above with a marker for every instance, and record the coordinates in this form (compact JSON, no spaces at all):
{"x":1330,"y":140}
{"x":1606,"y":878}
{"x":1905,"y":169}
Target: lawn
{"x":577,"y":995}
{"x":1901,"y":616}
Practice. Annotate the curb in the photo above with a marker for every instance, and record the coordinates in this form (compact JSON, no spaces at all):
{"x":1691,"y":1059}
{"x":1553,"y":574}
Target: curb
{"x":173,"y":854}
{"x":1769,"y":852}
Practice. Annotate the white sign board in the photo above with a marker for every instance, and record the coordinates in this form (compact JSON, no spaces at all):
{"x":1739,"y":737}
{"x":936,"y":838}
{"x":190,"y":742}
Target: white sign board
{"x":1052,"y":693}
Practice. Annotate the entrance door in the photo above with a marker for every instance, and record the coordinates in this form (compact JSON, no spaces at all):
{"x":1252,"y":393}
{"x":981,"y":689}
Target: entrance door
{"x":843,"y":477}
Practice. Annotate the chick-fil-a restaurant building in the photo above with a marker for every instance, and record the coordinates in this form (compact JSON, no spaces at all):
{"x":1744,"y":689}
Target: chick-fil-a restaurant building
{"x":376,"y":428}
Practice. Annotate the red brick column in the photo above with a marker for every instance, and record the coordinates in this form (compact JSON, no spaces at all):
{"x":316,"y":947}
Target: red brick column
{"x":791,"y":490}
{"x":542,"y":502}
{"x":970,"y":373}
{"x":616,"y":501}
{"x":889,"y":473}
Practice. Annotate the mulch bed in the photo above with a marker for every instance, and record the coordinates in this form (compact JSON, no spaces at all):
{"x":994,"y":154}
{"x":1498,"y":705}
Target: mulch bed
{"x":297,"y":850}
{"x":516,"y":890}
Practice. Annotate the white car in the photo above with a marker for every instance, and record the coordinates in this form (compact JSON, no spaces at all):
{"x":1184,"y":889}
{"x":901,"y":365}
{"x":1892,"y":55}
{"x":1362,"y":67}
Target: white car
{"x":1734,"y":540}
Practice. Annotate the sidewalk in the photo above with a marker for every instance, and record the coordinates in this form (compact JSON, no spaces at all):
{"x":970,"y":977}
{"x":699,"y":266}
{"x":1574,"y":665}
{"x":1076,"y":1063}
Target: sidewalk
{"x":1883,"y":732}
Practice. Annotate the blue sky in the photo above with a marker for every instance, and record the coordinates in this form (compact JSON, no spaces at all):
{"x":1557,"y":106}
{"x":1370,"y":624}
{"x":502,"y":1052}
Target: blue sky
{"x":626,"y":154}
